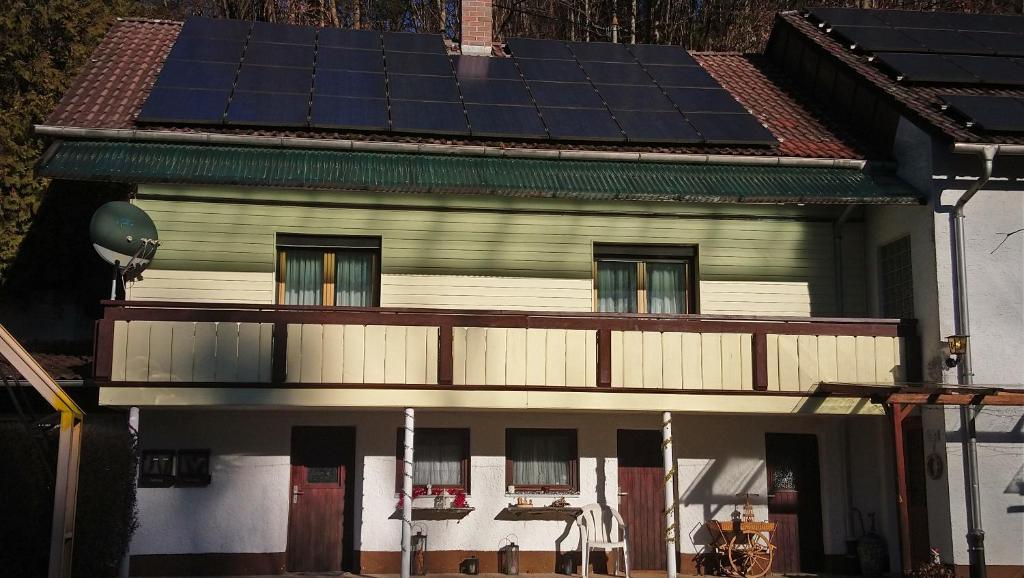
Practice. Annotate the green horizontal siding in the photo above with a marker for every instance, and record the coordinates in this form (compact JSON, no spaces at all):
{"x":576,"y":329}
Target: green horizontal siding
{"x":420,"y":173}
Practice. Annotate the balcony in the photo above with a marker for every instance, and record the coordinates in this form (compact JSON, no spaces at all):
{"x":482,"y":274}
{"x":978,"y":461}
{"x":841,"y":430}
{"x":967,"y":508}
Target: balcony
{"x":147,"y":345}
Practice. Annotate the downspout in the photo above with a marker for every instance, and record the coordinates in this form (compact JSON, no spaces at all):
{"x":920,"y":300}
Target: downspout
{"x":837,"y":253}
{"x":968,"y":413}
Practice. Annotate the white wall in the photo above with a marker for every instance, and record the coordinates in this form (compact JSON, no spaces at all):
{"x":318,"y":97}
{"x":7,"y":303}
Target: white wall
{"x":245,"y":507}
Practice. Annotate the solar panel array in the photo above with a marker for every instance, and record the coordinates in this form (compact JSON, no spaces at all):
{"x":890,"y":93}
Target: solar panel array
{"x":990,"y":113}
{"x":934,"y":47}
{"x":236,"y":73}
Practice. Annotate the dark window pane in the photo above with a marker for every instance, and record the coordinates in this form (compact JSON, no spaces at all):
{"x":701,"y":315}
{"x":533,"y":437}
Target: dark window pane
{"x":616,"y":286}
{"x":322,"y":475}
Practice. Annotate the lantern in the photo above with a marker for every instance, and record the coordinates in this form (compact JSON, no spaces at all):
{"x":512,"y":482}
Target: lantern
{"x":418,"y":562}
{"x":509,"y":556}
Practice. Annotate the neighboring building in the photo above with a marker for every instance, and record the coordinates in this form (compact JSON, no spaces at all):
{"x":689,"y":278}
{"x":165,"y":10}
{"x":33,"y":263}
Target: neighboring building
{"x":939,"y":100}
{"x":539,"y":282}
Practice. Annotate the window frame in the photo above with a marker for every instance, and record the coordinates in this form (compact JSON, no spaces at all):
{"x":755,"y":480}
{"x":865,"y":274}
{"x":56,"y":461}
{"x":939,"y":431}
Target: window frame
{"x":329,"y":246}
{"x":465,"y":465}
{"x":163,"y":479}
{"x":884,"y":272}
{"x":641,"y":255}
{"x":573,"y":487}
{"x":186,"y":478}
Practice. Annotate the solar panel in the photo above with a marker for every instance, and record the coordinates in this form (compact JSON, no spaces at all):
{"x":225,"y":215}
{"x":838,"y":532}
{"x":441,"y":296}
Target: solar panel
{"x":282,"y":33}
{"x":945,"y":41}
{"x":617,"y":73}
{"x":183,"y":105}
{"x":268,"y":109}
{"x":417,"y":63}
{"x":661,"y":54}
{"x":689,"y":76}
{"x":544,"y":49}
{"x":268,"y":54}
{"x":656,"y":127}
{"x":505,"y":121}
{"x":430,"y":117}
{"x":190,"y":74}
{"x":877,"y":39}
{"x":625,"y":97}
{"x":910,"y":67}
{"x":467,"y":67}
{"x":990,"y":23}
{"x":553,"y":70}
{"x":992,"y":113}
{"x":346,"y":38}
{"x":349,"y":59}
{"x":704,"y":100}
{"x":353,"y":113}
{"x":1001,"y":43}
{"x":410,"y":42}
{"x":995,"y":70}
{"x":846,"y":17}
{"x":413,"y":87}
{"x":600,"y":52}
{"x":207,"y":49}
{"x":727,"y":129}
{"x":274,"y":79}
{"x":486,"y":91}
{"x":581,"y":124}
{"x":350,"y":84}
{"x":916,"y":19}
{"x":565,"y":94}
{"x":215,"y":28}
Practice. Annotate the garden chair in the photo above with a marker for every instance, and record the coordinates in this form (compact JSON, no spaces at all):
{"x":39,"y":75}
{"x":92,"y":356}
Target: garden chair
{"x":597,"y":525}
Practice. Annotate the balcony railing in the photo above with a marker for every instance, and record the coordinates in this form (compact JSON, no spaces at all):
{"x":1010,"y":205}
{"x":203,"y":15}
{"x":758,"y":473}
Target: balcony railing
{"x":140,"y":343}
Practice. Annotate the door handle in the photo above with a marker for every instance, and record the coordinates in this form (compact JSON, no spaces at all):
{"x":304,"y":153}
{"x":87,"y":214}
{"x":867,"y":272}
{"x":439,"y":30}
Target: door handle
{"x":623,"y":493}
{"x":296,"y":492}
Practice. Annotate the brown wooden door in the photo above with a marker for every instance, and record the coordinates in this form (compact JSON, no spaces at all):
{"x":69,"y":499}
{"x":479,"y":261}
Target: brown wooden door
{"x":319,"y":492}
{"x":917,"y":497}
{"x":642,"y":496}
{"x":794,"y":501}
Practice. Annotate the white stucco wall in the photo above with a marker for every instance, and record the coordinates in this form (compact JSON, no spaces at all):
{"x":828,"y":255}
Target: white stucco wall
{"x":245,"y":508}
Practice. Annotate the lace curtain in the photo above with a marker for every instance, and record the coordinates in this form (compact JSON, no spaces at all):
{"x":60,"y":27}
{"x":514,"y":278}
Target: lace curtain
{"x":540,"y":459}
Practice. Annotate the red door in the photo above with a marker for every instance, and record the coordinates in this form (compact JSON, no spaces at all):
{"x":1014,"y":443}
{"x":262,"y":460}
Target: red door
{"x":321,"y":459}
{"x":794,"y":502}
{"x":642,"y":496}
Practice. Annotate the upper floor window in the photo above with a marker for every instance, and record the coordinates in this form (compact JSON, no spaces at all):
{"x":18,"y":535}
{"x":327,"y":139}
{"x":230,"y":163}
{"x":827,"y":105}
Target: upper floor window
{"x":645,"y":278}
{"x":314,"y":270}
{"x":896,"y":274}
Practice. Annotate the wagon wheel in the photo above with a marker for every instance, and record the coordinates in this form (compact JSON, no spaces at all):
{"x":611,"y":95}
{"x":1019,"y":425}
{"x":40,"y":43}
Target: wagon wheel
{"x":751,"y":554}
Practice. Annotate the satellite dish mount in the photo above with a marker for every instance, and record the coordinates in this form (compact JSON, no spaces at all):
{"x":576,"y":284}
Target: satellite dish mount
{"x":124,"y":236}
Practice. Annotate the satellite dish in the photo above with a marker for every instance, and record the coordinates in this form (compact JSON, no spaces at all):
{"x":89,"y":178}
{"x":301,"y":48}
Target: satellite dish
{"x":124,"y":236}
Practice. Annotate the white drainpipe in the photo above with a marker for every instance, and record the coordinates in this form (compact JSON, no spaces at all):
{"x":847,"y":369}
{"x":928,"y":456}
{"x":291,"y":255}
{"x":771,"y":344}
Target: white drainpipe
{"x":407,"y":466}
{"x":670,"y":501}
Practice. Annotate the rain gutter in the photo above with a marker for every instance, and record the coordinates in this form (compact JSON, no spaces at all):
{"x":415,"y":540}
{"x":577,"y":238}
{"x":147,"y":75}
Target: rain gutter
{"x":136,"y":135}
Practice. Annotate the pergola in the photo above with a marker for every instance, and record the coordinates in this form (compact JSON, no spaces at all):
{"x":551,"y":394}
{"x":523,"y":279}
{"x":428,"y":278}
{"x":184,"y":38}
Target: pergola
{"x":899,"y":401}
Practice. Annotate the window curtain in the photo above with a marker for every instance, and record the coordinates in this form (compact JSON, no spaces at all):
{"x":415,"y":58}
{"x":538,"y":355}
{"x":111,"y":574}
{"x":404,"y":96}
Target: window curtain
{"x":438,"y":459}
{"x":540,"y":460}
{"x":616,"y":287}
{"x":303,"y":277}
{"x":353,"y":279}
{"x":666,"y":288}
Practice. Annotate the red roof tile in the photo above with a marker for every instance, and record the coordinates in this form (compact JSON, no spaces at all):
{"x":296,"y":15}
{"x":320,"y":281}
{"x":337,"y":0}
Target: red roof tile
{"x":111,"y":90}
{"x":919,"y":102}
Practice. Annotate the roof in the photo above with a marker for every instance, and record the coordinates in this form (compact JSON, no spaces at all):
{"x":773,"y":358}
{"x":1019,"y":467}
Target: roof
{"x":109,"y":93}
{"x":919,"y":102}
{"x":425,"y":173}
{"x":60,"y":366}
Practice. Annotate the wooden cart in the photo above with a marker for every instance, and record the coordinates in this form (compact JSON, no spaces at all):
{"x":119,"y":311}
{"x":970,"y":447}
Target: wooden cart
{"x":746,"y":546}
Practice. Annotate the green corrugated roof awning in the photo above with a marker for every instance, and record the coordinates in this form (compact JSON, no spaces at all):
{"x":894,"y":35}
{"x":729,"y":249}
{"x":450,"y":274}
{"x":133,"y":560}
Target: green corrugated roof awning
{"x":425,"y":173}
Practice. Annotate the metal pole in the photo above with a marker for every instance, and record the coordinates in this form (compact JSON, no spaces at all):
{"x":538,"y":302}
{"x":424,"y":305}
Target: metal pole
{"x":407,"y":463}
{"x":133,"y":428}
{"x":968,"y":440}
{"x":670,"y":501}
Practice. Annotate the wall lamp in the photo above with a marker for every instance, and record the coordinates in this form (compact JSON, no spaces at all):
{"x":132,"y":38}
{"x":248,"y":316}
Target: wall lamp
{"x":957,"y":347}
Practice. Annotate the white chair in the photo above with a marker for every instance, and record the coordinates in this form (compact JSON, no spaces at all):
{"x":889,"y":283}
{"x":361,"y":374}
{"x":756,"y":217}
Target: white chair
{"x":597,"y":524}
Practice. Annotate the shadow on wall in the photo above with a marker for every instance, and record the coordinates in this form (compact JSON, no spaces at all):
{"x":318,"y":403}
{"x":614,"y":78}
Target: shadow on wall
{"x":50,"y":291}
{"x":706,"y":490}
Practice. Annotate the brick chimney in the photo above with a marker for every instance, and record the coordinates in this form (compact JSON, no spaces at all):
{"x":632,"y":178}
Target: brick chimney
{"x":477,"y":27}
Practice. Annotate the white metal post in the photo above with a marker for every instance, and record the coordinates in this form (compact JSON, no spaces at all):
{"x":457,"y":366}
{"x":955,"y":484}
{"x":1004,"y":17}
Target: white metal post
{"x":407,"y":459}
{"x":133,"y":428}
{"x":670,"y":500}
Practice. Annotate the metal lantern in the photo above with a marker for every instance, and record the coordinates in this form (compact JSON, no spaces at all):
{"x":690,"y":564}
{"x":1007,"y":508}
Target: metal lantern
{"x":418,"y":562}
{"x":509,"y":556}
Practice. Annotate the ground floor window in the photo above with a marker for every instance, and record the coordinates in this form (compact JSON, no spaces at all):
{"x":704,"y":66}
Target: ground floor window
{"x":645,"y":279}
{"x":441,"y":458}
{"x":541,"y":460}
{"x":319,"y":270}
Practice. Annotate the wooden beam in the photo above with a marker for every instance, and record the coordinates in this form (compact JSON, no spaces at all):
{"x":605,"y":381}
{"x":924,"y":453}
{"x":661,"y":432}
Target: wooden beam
{"x":759,"y":360}
{"x":445,"y":361}
{"x":604,"y":358}
{"x":897,"y":414}
{"x":279,"y":355}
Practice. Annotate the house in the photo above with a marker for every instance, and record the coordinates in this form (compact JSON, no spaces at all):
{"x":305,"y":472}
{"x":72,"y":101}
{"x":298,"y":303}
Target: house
{"x":531,"y":271}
